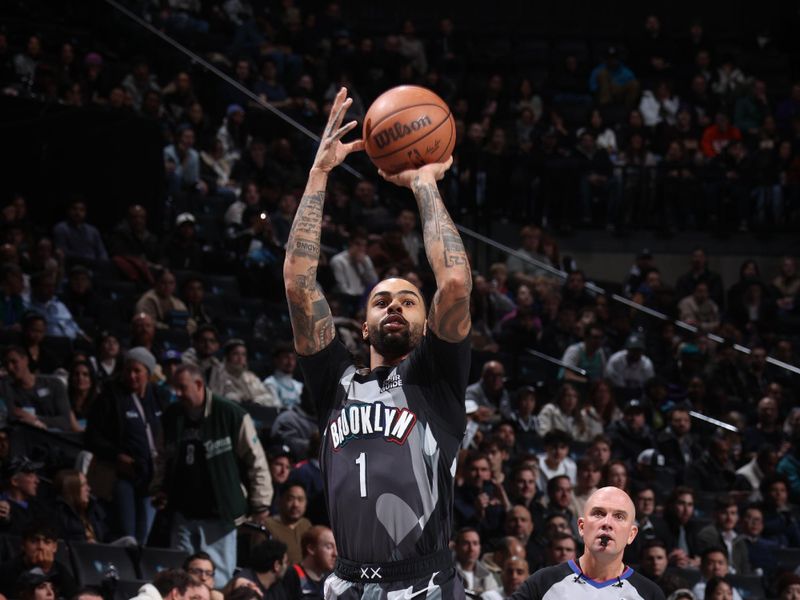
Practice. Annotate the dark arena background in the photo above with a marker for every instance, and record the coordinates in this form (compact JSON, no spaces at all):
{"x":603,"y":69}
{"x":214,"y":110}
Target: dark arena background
{"x":626,"y":181}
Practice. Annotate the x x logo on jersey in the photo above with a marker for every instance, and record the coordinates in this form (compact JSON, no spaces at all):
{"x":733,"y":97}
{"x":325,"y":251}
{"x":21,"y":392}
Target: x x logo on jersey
{"x":374,"y":574}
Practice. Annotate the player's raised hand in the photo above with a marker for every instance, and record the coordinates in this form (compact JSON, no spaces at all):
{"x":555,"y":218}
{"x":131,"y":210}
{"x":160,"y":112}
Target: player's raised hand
{"x":429,"y":172}
{"x":332,"y":151}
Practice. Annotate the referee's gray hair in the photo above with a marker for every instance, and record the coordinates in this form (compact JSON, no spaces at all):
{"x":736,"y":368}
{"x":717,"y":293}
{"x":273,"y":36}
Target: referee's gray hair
{"x":193,"y":370}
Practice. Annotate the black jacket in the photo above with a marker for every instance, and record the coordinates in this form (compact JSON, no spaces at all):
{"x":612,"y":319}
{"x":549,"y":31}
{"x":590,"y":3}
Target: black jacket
{"x":72,"y":528}
{"x":109,"y":425}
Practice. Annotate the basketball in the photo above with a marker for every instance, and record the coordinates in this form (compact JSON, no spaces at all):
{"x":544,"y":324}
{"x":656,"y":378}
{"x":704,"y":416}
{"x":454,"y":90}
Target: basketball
{"x":408,"y":127}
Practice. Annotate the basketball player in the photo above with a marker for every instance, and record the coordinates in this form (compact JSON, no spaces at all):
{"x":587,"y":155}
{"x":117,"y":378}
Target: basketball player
{"x":607,"y":527}
{"x":390,"y":433}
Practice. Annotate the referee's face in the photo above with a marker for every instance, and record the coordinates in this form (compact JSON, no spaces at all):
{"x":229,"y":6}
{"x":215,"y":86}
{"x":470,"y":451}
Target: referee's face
{"x":609,"y":512}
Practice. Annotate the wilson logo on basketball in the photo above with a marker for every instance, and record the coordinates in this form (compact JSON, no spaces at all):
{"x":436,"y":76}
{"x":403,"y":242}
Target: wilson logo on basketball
{"x":399,"y":130}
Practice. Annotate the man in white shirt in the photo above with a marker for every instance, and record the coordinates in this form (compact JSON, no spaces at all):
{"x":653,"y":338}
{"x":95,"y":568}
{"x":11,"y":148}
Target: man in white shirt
{"x":477,"y":576}
{"x":353,"y":270}
{"x":630,"y":368}
{"x":283,"y":386}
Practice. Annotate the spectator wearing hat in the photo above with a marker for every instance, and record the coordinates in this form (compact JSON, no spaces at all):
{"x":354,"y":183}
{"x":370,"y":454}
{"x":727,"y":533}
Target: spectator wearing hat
{"x":631,"y":436}
{"x":22,"y":507}
{"x":282,"y":383}
{"x":182,"y":250}
{"x":123,"y":427}
{"x":203,"y":353}
{"x":76,"y":238}
{"x":37,"y":400}
{"x":213,"y":474}
{"x":629,"y":369}
{"x":235,"y":382}
{"x":38,"y":551}
{"x":722,"y":534}
{"x":612,"y":82}
{"x":163,"y":305}
{"x":35,"y":584}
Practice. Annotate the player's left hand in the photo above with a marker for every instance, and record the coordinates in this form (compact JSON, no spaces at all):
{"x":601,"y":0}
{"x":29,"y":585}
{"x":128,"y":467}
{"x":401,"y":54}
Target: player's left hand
{"x":428,"y":174}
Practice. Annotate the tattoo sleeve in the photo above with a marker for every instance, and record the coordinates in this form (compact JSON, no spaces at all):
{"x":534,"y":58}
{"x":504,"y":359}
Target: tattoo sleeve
{"x":449,"y":315}
{"x":310,"y":314}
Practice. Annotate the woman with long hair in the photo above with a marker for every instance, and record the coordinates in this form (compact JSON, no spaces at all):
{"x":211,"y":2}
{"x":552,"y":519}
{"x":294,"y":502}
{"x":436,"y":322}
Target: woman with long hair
{"x":80,"y":517}
{"x":600,"y":411}
{"x":615,"y":474}
{"x":81,"y":389}
{"x":563,"y":414}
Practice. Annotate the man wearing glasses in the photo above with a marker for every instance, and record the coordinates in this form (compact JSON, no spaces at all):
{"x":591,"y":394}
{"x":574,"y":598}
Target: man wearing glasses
{"x":201,"y":567}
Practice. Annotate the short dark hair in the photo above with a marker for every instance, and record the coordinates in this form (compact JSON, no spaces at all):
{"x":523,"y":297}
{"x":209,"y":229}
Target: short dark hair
{"x":464,"y":530}
{"x":171,"y":579}
{"x":653,"y":543}
{"x":264,"y":556}
{"x":553,"y":481}
{"x":44,"y":529}
{"x":712,"y":550}
{"x":204,"y":328}
{"x":474,"y":457}
{"x":197,"y":556}
{"x":559,"y":536}
{"x":724,"y":502}
{"x":556,"y":437}
{"x":712,"y":586}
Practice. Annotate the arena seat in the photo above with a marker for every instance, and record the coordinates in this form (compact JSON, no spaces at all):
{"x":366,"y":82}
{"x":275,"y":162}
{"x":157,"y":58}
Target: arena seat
{"x":154,"y":560}
{"x":749,"y":586}
{"x":689,"y":576}
{"x":92,"y":561}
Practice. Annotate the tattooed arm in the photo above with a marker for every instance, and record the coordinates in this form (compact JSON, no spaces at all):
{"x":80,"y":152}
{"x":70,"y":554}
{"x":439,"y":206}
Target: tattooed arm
{"x":449,"y":315}
{"x":309,"y":311}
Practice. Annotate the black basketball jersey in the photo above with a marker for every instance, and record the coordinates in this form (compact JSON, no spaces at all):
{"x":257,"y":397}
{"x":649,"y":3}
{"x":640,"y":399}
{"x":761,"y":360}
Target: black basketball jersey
{"x":567,"y":582}
{"x":390,"y":441}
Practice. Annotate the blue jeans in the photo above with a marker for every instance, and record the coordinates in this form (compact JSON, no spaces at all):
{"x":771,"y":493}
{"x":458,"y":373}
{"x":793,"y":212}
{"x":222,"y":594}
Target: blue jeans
{"x":134,"y":510}
{"x":209,"y":535}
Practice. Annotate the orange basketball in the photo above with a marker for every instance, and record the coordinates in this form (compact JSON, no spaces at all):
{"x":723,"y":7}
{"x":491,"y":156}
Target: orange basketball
{"x":408,"y":127}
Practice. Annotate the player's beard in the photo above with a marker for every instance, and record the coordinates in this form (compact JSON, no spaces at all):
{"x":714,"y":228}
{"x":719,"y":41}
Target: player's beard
{"x":394,"y":344}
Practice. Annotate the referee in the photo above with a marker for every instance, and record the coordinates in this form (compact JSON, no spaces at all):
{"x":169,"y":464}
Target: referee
{"x":607,"y":527}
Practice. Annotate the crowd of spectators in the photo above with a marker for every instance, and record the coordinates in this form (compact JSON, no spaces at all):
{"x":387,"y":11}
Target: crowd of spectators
{"x":109,"y":335}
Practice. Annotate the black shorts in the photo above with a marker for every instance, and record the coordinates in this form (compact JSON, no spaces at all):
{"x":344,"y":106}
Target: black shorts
{"x":441,"y":585}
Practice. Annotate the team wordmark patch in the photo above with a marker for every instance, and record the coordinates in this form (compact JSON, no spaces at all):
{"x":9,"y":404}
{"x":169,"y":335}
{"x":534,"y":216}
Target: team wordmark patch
{"x":374,"y":420}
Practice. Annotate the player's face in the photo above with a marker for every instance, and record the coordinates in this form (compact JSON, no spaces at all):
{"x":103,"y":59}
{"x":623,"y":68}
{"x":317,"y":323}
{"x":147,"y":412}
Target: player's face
{"x":609,"y":512}
{"x":395,"y":318}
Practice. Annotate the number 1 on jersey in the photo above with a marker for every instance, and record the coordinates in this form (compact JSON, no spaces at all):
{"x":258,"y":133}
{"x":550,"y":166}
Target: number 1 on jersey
{"x":361,"y":461}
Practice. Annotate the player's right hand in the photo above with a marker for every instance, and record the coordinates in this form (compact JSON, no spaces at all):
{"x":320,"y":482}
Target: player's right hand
{"x":332,"y":151}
